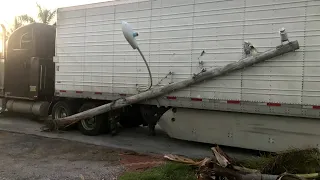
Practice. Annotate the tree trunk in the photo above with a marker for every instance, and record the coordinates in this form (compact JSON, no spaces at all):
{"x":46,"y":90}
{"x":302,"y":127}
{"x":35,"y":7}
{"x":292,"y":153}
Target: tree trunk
{"x":154,"y":93}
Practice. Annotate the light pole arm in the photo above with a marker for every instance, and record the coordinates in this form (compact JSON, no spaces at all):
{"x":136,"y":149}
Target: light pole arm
{"x":150,"y":75}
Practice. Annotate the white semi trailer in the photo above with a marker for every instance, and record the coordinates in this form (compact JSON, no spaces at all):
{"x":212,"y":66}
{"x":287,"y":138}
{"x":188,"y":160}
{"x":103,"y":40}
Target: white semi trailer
{"x":272,"y":106}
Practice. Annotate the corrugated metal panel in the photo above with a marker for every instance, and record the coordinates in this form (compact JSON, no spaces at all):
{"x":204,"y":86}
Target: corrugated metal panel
{"x":251,"y":131}
{"x":93,"y":55}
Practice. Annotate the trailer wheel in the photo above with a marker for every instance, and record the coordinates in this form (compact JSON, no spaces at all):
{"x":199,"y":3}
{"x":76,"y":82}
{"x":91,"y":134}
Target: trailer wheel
{"x":61,"y":109}
{"x":93,"y":126}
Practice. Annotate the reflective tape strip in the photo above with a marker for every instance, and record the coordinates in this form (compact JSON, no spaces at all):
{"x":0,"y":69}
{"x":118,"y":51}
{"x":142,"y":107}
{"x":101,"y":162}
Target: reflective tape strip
{"x":274,"y":104}
{"x":233,"y":102}
{"x":196,"y":99}
{"x":171,"y":97}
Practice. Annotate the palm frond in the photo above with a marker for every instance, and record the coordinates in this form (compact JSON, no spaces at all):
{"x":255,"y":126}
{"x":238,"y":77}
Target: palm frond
{"x":45,"y":15}
{"x":16,"y":24}
{"x":51,"y":15}
{"x":41,"y":13}
{"x":26,"y":19}
{"x":39,"y":7}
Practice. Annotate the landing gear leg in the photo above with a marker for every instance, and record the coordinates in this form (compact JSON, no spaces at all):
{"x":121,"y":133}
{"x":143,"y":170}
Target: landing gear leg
{"x":114,"y":126}
{"x":151,"y":115}
{"x":114,"y":119}
{"x":3,"y":105}
{"x":152,"y":128}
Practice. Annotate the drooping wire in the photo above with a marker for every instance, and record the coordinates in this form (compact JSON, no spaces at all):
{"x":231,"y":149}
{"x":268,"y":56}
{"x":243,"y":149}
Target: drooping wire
{"x":170,"y":73}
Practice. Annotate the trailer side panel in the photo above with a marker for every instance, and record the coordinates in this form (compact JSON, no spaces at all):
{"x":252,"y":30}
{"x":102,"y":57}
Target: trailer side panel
{"x":94,"y":60}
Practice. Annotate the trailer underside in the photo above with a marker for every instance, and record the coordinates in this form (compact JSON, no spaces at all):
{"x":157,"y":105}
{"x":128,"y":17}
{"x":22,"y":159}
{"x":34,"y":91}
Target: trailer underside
{"x":243,"y":130}
{"x":236,"y":129}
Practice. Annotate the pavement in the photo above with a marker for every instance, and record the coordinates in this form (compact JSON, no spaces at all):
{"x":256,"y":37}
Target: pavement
{"x":128,"y":139}
{"x":25,"y":157}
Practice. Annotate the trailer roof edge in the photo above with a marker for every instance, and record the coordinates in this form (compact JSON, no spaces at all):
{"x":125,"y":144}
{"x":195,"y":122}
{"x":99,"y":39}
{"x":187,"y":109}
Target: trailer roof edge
{"x":98,"y":4}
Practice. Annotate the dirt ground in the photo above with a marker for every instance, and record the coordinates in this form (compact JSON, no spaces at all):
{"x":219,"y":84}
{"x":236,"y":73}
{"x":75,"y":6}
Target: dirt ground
{"x":32,"y":157}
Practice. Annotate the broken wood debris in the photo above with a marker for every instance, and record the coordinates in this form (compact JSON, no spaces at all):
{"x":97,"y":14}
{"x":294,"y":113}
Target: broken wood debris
{"x":221,"y":166}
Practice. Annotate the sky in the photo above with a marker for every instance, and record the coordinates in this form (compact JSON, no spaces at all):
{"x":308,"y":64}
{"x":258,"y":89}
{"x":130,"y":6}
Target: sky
{"x":11,"y":8}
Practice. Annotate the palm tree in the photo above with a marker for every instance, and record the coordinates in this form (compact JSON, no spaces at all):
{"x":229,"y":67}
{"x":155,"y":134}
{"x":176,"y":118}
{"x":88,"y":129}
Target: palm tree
{"x":20,"y":21}
{"x":17,"y":23}
{"x":45,"y":16}
{"x":25,"y":19}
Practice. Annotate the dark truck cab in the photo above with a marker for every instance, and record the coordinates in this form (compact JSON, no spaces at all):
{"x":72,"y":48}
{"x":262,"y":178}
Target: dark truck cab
{"x":27,"y":75}
{"x":27,"y":69}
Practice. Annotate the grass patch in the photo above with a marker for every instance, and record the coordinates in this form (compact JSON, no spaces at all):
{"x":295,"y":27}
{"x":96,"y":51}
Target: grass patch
{"x":168,"y":171}
{"x":293,"y":161}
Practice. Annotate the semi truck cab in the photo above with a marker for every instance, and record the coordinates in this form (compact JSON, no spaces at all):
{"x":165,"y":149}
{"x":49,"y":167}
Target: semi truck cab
{"x":27,"y":69}
{"x":27,"y":85}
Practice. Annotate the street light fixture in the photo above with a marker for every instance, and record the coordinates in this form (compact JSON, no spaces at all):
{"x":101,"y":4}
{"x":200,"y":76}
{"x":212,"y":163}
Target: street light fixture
{"x":130,"y":35}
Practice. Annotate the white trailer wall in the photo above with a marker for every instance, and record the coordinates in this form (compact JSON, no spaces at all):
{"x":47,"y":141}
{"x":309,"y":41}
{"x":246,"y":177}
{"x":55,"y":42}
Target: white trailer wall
{"x":93,"y":58}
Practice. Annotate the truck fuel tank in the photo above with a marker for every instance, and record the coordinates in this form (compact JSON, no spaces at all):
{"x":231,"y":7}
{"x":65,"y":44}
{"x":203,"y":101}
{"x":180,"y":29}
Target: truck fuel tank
{"x":38,"y":108}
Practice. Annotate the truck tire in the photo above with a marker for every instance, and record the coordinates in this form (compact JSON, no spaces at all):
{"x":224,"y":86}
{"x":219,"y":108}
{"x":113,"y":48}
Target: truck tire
{"x":62,"y":109}
{"x":93,"y":126}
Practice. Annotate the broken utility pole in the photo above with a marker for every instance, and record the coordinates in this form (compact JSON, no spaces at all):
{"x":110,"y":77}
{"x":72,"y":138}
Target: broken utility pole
{"x":154,"y":93}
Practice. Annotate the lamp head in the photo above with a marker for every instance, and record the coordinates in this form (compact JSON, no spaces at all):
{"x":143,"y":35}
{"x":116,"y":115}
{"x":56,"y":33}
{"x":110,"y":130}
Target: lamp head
{"x":129,"y":34}
{"x":282,"y":30}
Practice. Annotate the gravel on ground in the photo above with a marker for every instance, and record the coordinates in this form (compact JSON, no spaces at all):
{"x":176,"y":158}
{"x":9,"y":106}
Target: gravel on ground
{"x":25,"y":157}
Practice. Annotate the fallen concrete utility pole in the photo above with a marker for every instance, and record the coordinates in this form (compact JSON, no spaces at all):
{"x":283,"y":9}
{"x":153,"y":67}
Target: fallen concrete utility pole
{"x":153,"y":93}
